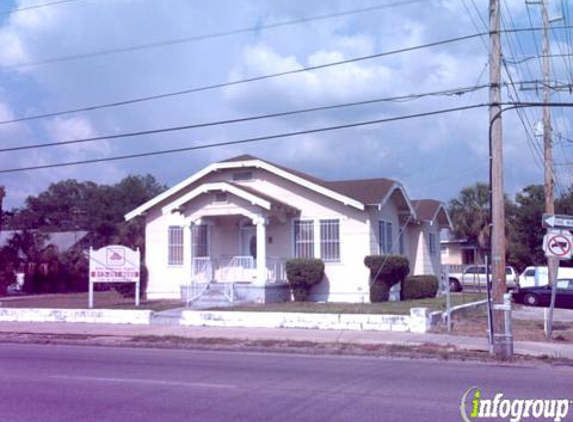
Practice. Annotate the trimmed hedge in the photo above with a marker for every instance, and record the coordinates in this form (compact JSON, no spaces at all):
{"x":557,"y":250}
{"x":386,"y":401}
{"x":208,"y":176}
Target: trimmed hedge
{"x":302,"y":274}
{"x":385,"y":272}
{"x":419,"y":287}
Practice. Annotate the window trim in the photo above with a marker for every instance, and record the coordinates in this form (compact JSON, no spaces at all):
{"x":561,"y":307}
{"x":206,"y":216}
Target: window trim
{"x":432,"y":243}
{"x":311,"y":241}
{"x":386,"y":247}
{"x":175,"y":250}
{"x":322,"y":223}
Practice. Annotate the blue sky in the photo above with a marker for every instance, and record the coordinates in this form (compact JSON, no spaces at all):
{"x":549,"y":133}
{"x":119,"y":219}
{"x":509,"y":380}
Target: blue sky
{"x":434,"y":156}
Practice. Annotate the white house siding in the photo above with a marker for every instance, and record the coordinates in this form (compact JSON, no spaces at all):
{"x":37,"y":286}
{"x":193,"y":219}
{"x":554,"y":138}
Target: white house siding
{"x":346,"y":280}
{"x":389,"y":212}
{"x":425,"y":263}
{"x":435,"y":256}
{"x":164,"y":280}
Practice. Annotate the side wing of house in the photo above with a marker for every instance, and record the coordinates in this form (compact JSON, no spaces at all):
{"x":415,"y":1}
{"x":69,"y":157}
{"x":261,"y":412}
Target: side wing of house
{"x":424,"y":236}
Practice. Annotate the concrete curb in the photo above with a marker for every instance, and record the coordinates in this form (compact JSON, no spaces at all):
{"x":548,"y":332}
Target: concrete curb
{"x":419,"y":320}
{"x":102,"y":316}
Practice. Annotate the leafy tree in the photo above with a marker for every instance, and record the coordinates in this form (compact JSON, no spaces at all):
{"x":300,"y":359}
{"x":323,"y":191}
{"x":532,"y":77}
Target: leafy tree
{"x":526,"y":234}
{"x":99,"y":209}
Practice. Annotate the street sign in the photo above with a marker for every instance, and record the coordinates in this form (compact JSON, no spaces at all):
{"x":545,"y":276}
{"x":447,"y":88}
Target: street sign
{"x":553,"y":221}
{"x":558,"y":244}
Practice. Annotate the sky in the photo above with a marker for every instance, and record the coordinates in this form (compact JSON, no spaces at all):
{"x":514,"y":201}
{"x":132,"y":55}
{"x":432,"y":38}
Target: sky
{"x":434,"y":156}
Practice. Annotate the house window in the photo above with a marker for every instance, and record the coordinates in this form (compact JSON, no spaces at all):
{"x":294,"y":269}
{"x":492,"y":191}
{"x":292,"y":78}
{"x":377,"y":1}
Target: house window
{"x":330,"y":240}
{"x":242,"y":176}
{"x":432,"y":243}
{"x":304,"y":239}
{"x":401,"y":242}
{"x":385,"y":237}
{"x":199,"y":240}
{"x":175,"y":245}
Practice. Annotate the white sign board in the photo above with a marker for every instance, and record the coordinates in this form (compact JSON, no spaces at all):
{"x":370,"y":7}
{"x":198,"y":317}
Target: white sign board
{"x":558,"y":244}
{"x":114,"y":264}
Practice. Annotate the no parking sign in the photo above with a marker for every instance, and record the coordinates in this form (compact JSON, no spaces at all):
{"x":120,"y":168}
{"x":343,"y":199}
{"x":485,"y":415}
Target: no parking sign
{"x":558,"y":244}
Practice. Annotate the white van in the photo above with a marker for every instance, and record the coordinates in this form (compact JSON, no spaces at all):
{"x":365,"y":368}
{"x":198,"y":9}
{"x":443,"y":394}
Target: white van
{"x":537,"y":276}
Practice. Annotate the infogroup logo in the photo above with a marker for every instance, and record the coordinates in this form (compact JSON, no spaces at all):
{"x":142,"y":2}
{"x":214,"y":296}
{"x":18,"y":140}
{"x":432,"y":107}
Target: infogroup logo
{"x":475,"y":406}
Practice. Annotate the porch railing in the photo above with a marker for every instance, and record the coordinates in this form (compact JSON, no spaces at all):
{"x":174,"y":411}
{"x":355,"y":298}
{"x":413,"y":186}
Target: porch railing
{"x":238,"y":268}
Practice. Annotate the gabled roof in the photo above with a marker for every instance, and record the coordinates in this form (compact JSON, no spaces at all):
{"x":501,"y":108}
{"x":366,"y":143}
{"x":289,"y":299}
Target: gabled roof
{"x":430,"y":210}
{"x":354,"y":193}
{"x":250,"y":195}
{"x":367,"y":191}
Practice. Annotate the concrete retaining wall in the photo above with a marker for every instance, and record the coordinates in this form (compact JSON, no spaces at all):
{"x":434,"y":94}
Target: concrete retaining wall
{"x":106,"y":316}
{"x":418,"y":321}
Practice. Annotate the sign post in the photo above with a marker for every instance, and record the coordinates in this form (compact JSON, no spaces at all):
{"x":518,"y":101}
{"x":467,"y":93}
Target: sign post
{"x":557,"y":243}
{"x":114,"y":264}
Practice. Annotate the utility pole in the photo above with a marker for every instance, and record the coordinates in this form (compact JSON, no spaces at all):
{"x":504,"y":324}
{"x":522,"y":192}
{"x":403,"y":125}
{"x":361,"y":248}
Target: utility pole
{"x":552,"y":262}
{"x":501,"y":341}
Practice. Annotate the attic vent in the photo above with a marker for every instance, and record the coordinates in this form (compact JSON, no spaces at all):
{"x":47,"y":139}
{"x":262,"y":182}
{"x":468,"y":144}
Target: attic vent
{"x":221,"y":197}
{"x":242,"y":176}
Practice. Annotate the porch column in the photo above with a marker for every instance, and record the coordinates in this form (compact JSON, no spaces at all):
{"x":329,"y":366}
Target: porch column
{"x":261,"y":224}
{"x":187,"y":253}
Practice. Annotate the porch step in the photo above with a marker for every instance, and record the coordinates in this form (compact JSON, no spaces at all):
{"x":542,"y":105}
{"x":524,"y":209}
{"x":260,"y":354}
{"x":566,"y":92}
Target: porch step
{"x":213,"y":297}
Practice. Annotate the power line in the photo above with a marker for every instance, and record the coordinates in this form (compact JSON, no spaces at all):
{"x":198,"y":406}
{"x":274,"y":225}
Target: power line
{"x":248,"y":80}
{"x":447,"y":92}
{"x":221,"y":34}
{"x":242,"y":81}
{"x":37,"y":6}
{"x":244,"y":141}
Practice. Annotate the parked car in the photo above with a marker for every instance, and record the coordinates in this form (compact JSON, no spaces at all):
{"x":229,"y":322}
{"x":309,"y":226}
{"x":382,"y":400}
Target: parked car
{"x":474,"y":276}
{"x":537,"y":276}
{"x":541,"y":295}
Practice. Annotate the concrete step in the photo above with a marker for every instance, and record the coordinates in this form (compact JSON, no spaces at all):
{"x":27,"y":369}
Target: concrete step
{"x":168,"y":317}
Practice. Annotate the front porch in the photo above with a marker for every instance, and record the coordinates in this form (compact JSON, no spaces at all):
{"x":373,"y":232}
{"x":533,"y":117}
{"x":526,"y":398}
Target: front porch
{"x":235,"y":279}
{"x":229,"y":237}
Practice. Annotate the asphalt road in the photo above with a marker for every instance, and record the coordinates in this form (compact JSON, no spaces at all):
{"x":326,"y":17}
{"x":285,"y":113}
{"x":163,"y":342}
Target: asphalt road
{"x":74,"y":383}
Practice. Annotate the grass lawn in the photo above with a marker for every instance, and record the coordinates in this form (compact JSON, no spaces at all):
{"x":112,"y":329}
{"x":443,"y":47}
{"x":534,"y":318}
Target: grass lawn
{"x":474,"y":323}
{"x":102,"y":300}
{"x":392,"y":308}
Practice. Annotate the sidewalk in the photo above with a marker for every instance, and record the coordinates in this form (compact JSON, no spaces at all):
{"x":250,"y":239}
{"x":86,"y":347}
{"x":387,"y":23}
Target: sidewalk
{"x":114,"y":333}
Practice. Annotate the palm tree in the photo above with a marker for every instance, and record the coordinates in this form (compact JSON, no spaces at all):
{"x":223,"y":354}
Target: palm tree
{"x":470,"y":215}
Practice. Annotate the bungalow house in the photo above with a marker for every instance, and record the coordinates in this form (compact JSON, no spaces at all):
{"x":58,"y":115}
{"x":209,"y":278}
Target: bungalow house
{"x":236,"y":222}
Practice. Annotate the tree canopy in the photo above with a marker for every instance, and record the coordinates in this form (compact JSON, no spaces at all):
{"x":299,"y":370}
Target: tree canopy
{"x":469,"y":212}
{"x":71,"y":205}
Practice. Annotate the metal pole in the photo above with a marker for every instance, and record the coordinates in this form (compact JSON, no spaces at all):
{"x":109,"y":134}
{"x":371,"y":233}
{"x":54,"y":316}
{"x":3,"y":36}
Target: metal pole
{"x":448,"y":298}
{"x":500,"y":346}
{"x":489,"y":304}
{"x":91,"y":295}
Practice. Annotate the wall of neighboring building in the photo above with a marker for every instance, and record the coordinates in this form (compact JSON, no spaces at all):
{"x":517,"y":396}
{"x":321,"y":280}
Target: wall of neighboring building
{"x":451,"y":254}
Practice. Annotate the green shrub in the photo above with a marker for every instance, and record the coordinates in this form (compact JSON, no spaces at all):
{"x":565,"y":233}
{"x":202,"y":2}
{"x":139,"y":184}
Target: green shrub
{"x":302,"y":274}
{"x":385,"y":272}
{"x":419,"y":287}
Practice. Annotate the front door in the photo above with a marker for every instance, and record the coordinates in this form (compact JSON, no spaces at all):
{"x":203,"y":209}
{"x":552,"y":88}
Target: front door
{"x":249,"y":242}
